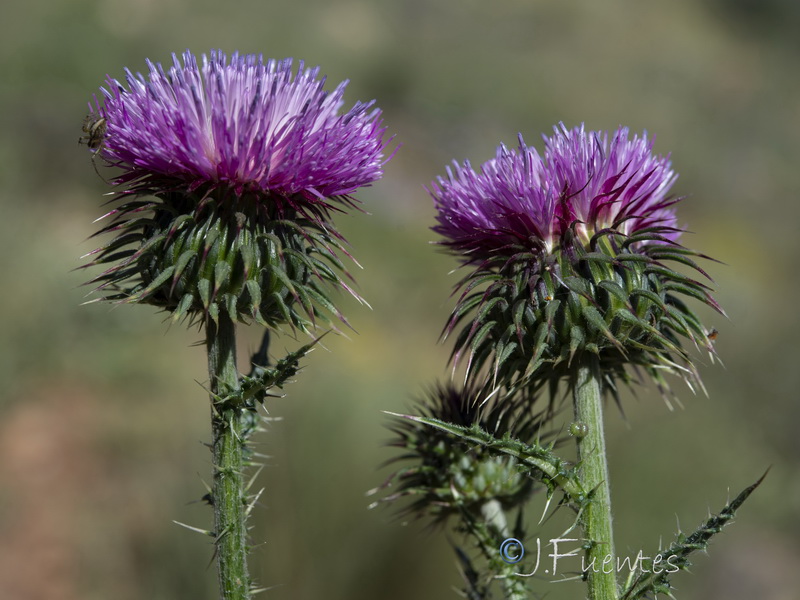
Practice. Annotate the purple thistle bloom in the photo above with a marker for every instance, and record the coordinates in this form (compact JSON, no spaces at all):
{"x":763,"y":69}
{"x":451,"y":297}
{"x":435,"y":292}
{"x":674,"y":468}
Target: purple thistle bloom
{"x":583,"y":183}
{"x":569,"y":254}
{"x":230,"y":170}
{"x":243,"y":125}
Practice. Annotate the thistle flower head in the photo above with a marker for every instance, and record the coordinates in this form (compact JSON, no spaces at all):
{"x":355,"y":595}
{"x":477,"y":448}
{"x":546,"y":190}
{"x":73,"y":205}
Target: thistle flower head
{"x":230,"y":169}
{"x":444,"y":476}
{"x":569,"y":253}
{"x":583,"y":184}
{"x":243,"y":125}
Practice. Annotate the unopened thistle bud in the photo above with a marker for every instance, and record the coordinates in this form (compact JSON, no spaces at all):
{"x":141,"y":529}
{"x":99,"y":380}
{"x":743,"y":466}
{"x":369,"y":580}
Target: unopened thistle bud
{"x":570,"y":253}
{"x":444,"y":476}
{"x":230,"y":172}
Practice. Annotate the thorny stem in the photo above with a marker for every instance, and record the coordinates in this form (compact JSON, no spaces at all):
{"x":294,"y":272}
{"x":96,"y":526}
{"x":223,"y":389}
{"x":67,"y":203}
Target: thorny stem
{"x":491,"y":533}
{"x":228,"y":491}
{"x":593,"y":475}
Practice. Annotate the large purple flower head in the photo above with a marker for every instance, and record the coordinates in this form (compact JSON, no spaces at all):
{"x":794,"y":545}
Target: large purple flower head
{"x":230,"y":170}
{"x":246,"y":125}
{"x":569,"y":254}
{"x":584,"y":184}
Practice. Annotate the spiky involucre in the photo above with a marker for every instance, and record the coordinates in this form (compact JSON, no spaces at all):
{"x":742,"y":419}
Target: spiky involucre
{"x":443,"y":476}
{"x":570,"y":253}
{"x":230,"y":173}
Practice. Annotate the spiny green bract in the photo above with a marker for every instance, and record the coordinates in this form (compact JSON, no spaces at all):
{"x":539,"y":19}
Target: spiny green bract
{"x":530,"y":316}
{"x":195,"y":258}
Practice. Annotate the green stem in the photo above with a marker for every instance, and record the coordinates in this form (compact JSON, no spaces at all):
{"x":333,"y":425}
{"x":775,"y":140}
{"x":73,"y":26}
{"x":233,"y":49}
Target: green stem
{"x":495,"y":519}
{"x":593,"y":474}
{"x":227,"y":447}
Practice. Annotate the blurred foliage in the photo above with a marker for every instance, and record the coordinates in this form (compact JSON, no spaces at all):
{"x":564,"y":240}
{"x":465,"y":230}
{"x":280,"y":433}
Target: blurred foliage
{"x":102,"y":414}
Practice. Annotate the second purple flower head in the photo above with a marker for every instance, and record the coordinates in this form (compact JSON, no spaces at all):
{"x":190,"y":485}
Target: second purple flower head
{"x":583,"y":183}
{"x":569,"y":257}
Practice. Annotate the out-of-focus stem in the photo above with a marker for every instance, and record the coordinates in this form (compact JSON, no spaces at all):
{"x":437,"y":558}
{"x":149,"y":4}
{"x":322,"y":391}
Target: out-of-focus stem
{"x":496,"y":526}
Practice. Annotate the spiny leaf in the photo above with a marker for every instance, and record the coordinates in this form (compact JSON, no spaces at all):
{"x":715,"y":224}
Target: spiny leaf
{"x":677,"y":554}
{"x":549,"y":467}
{"x":649,"y":234}
{"x":118,"y":256}
{"x":320,"y":297}
{"x":598,"y":257}
{"x":671,"y":275}
{"x":504,"y":353}
{"x":153,"y":241}
{"x":229,"y":301}
{"x":178,"y":222}
{"x":262,"y":378}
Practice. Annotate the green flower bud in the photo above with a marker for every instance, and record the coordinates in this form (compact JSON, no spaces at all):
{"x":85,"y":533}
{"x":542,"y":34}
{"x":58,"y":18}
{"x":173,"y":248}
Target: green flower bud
{"x":444,"y":476}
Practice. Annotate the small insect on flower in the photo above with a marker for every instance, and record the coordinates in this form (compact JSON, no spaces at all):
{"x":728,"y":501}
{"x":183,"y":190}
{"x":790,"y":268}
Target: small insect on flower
{"x":95,"y":129}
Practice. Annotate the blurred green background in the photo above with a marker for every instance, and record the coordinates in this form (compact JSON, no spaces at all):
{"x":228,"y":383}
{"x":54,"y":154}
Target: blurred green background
{"x":102,"y":417}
